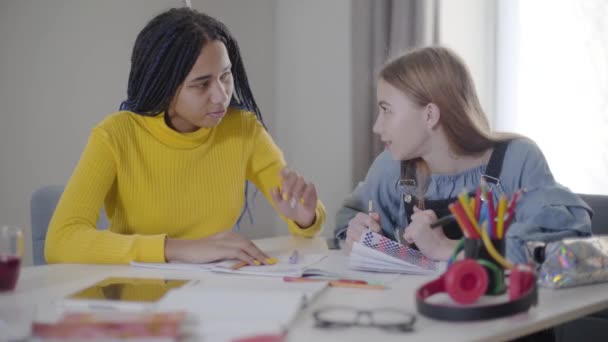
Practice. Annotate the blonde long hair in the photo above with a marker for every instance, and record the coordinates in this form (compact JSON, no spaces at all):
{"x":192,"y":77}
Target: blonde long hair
{"x":437,"y":75}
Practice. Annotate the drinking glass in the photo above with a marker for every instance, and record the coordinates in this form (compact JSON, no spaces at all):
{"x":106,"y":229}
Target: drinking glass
{"x":11,"y":252}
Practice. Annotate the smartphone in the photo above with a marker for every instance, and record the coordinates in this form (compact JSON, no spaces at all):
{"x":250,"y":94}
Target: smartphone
{"x":333,"y":243}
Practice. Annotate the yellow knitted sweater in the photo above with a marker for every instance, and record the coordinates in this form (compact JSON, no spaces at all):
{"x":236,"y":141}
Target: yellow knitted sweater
{"x":156,"y":182}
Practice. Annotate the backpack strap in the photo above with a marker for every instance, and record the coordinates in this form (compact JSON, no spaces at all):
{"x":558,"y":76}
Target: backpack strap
{"x":492,"y":174}
{"x":494,"y":168}
{"x":408,"y":173}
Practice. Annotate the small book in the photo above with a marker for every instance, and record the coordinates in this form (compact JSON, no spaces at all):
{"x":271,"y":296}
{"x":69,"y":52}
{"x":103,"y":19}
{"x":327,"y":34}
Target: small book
{"x":374,"y":252}
{"x":111,"y":326}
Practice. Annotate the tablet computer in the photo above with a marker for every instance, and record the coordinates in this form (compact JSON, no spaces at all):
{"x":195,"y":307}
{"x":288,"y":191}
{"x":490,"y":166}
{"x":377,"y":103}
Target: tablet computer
{"x":122,"y":293}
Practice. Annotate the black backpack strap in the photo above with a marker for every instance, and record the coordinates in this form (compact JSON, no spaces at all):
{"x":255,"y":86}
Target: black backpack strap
{"x":408,"y":173}
{"x":492,"y":174}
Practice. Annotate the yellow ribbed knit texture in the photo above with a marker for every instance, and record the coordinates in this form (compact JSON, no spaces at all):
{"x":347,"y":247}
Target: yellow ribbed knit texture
{"x":156,"y":182}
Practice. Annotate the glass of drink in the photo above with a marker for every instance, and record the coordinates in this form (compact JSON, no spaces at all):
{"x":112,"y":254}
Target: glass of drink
{"x":11,"y":252}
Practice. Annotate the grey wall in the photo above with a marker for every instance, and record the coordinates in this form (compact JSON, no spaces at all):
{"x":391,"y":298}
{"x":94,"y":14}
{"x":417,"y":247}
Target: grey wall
{"x":313,"y":98}
{"x":253,"y":25}
{"x":64,"y":66}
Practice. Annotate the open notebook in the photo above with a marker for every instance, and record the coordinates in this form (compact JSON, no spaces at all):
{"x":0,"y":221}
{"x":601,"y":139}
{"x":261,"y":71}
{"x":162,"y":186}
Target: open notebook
{"x":281,"y":269}
{"x":377,"y":253}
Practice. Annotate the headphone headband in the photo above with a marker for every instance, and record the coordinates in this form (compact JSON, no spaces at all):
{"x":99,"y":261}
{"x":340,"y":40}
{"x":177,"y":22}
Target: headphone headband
{"x":521,"y":303}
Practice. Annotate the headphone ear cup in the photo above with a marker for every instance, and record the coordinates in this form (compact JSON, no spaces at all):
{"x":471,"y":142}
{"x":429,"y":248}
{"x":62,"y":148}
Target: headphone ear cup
{"x":520,"y":281}
{"x":466,"y":281}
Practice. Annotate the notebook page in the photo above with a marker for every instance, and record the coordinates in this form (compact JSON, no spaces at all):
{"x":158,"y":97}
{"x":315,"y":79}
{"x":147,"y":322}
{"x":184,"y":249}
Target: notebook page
{"x":281,"y":269}
{"x":366,"y":259}
{"x":175,"y":266}
{"x":376,"y":252}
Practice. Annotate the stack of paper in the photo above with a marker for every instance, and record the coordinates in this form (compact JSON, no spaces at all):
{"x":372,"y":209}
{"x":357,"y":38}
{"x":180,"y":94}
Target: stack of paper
{"x":306,"y":290}
{"x":377,"y":253}
{"x":225,"y":314}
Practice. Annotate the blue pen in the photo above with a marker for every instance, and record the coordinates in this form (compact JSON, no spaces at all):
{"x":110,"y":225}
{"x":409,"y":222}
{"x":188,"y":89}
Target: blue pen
{"x":484,"y":215}
{"x":293,"y":259}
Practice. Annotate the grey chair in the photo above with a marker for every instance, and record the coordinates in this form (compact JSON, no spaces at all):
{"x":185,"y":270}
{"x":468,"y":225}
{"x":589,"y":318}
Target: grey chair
{"x":594,"y":327}
{"x":42,"y":206}
{"x":599,"y":204}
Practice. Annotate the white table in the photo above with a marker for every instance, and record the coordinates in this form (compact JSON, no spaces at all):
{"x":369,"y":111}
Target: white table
{"x":40,"y":284}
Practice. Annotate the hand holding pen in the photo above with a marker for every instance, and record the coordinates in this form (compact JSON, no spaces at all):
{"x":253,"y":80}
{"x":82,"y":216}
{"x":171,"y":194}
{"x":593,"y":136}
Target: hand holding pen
{"x":431,"y":242}
{"x":373,"y":221}
{"x":361,"y":223}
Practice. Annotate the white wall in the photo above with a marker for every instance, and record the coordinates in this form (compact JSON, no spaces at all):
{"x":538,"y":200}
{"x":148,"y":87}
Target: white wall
{"x":313,"y":95}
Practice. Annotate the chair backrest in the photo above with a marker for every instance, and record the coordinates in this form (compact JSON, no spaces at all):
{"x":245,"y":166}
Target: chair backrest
{"x":599,"y":204}
{"x":42,"y":206}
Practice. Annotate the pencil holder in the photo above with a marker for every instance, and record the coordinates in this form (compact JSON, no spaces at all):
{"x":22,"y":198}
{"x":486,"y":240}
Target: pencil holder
{"x":475,"y":249}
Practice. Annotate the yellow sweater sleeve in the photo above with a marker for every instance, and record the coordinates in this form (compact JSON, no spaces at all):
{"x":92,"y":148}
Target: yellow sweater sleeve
{"x":265,"y":163}
{"x":73,"y":236}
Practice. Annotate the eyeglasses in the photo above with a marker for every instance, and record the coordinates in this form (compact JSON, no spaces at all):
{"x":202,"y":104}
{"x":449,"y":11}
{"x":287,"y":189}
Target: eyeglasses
{"x":344,"y":317}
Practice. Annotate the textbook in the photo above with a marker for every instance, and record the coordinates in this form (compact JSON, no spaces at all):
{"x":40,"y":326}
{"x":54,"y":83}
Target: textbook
{"x":374,"y":252}
{"x":112,"y":326}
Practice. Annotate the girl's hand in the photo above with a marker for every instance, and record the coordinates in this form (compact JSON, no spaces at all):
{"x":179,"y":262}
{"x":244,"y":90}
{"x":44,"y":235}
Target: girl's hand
{"x":358,"y":225}
{"x":297,"y":198}
{"x":225,"y":245}
{"x":432,"y":242}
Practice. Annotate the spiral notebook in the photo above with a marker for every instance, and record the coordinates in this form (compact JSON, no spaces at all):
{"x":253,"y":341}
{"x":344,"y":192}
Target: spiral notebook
{"x":374,"y":252}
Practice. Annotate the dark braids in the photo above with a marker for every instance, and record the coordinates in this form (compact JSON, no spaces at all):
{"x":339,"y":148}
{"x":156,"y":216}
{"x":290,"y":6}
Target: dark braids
{"x":164,"y":53}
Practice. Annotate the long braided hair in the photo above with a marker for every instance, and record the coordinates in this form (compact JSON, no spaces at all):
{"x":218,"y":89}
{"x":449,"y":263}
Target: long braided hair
{"x":164,"y":53}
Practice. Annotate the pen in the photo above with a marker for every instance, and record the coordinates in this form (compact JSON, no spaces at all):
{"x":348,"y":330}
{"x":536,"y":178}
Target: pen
{"x":347,"y":283}
{"x":356,"y":286}
{"x":443,"y":221}
{"x":293,"y":259}
{"x":241,"y":264}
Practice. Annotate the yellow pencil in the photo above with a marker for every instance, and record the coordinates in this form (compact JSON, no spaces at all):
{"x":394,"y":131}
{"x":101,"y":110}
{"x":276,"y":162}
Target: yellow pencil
{"x":239,"y":265}
{"x":463,"y":198}
{"x":269,"y":261}
{"x":502,"y":208}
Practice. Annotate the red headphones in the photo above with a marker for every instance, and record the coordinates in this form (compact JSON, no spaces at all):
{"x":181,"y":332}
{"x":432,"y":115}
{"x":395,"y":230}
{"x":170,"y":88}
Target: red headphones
{"x":467,"y":280}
